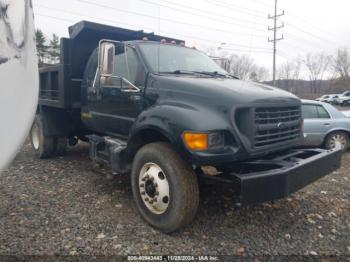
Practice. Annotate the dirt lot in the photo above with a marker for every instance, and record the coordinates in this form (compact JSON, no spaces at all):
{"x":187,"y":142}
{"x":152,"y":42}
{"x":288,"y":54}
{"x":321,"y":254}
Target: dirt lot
{"x":67,"y":206}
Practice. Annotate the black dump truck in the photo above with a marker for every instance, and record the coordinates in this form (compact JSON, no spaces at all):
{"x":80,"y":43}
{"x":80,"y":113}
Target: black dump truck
{"x":169,"y":116}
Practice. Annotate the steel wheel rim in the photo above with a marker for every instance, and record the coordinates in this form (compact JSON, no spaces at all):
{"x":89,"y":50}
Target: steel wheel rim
{"x":35,"y":136}
{"x":154,"y":188}
{"x":338,"y":139}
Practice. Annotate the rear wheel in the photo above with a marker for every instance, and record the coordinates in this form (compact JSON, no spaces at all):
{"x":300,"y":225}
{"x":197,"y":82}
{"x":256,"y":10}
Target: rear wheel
{"x":43,"y":146}
{"x":60,"y":145}
{"x":165,"y":188}
{"x":337,"y":137}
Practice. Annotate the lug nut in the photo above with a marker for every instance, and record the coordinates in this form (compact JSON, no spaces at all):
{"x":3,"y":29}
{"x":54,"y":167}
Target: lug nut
{"x":146,"y":199}
{"x":155,"y":184}
{"x":151,"y":178}
{"x":143,"y":192}
{"x":142,"y":185}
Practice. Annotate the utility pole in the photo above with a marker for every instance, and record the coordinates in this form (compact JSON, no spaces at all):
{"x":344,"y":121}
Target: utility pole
{"x":275,"y":39}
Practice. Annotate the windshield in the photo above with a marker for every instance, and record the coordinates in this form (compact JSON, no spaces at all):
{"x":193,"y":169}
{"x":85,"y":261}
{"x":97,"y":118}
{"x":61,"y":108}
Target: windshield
{"x":163,"y":58}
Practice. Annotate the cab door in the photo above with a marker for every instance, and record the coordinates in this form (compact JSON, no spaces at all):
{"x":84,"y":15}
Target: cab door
{"x":119,"y":98}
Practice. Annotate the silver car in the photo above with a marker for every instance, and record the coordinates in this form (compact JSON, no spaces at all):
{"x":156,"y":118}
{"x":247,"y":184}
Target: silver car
{"x":332,"y":98}
{"x":343,"y":99}
{"x":324,"y":125}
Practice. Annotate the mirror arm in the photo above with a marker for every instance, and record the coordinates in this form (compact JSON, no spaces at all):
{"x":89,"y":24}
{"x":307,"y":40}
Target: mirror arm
{"x":135,"y":88}
{"x":94,"y":82}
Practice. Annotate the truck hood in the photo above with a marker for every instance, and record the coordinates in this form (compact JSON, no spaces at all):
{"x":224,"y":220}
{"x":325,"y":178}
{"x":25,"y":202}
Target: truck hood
{"x":223,"y":89}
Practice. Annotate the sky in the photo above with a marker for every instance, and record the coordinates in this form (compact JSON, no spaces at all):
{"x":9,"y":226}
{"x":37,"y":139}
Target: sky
{"x":223,"y":26}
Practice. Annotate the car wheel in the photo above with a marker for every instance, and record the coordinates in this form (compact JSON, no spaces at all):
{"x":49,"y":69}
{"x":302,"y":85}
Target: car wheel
{"x":43,"y":146}
{"x":60,"y":145}
{"x":337,"y":137}
{"x":165,"y":188}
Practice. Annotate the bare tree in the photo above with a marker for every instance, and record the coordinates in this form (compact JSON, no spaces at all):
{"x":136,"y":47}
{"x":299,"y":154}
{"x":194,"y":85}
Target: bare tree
{"x":259,"y":74}
{"x":241,"y":66}
{"x":285,"y":70}
{"x":290,"y":71}
{"x":297,"y":63}
{"x":317,"y":64}
{"x":341,"y":64}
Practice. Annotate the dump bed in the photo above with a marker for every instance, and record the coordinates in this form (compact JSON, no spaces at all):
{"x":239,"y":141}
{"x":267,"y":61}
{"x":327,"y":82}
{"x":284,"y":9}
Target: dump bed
{"x":60,"y":84}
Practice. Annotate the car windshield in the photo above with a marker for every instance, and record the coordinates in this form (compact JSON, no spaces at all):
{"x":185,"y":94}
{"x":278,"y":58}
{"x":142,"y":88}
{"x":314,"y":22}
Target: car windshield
{"x":164,"y":58}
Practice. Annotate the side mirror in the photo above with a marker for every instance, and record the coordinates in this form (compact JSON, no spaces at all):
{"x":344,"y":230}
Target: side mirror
{"x":107,"y":59}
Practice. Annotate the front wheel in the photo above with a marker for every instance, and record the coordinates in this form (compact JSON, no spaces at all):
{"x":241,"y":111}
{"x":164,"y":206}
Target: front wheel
{"x":165,"y":188}
{"x":337,"y":137}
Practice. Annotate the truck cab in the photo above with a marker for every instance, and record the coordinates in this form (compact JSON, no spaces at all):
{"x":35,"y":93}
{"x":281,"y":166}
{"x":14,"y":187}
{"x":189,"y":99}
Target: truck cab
{"x":162,"y":112}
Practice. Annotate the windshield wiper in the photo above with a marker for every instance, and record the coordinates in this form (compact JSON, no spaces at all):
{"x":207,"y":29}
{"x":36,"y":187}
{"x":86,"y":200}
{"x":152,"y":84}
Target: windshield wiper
{"x":214,"y":73}
{"x":179,"y":72}
{"x":207,"y":73}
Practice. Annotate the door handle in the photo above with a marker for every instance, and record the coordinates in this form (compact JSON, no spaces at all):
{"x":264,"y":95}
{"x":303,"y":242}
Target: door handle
{"x":327,"y":124}
{"x":135,"y":98}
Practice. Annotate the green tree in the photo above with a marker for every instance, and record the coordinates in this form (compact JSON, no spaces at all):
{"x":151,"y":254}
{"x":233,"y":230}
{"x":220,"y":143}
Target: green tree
{"x":54,"y":49}
{"x":41,"y":46}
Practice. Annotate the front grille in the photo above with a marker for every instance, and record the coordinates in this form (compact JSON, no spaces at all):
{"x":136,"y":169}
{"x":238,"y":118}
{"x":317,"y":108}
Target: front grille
{"x":276,"y":124}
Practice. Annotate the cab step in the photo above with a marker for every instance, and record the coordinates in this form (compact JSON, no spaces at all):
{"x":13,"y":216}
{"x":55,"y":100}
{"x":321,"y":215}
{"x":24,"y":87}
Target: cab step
{"x":109,"y":151}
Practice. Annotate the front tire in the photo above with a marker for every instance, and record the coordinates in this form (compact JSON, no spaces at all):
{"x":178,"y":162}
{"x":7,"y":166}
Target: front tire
{"x":43,"y":146}
{"x":337,"y":137}
{"x":165,"y":188}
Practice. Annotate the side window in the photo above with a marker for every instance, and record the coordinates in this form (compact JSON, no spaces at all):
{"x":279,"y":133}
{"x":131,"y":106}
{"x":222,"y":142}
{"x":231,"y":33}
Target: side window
{"x":322,"y":113}
{"x":309,"y":111}
{"x":127,"y":64}
{"x":314,"y":112}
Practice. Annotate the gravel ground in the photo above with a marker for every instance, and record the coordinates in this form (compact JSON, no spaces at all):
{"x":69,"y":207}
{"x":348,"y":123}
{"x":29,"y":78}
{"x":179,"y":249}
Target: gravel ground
{"x":67,"y":206}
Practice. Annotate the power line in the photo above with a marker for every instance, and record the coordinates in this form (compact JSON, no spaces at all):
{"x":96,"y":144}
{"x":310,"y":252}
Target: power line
{"x":311,"y":34}
{"x":295,"y":27}
{"x":248,"y":51}
{"x":88,"y":16}
{"x":207,"y":40}
{"x":240,"y":9}
{"x":268,"y":5}
{"x":206,"y":17}
{"x":167,"y":19}
{"x":205,"y":11}
{"x":311,"y":41}
{"x":293,"y":46}
{"x":311,"y":24}
{"x":261,"y":3}
{"x":221,"y":42}
{"x":259,"y":49}
{"x":56,"y":18}
{"x":157,"y":18}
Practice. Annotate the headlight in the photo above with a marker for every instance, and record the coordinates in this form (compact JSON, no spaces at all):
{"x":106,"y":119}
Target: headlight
{"x":216,"y":140}
{"x":203,"y":141}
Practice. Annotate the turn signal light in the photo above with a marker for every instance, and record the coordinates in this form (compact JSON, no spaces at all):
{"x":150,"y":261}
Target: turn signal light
{"x":196,"y":141}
